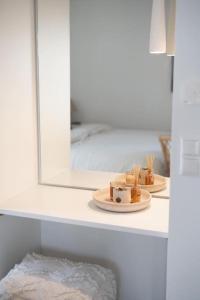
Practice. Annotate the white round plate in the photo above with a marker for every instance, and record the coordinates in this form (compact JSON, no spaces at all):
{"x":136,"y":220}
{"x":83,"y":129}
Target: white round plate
{"x":160,"y":183}
{"x":102,"y":200}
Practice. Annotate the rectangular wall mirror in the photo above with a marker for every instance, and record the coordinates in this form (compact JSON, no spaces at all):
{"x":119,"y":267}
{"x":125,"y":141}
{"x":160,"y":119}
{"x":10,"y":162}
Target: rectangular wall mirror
{"x":104,"y":102}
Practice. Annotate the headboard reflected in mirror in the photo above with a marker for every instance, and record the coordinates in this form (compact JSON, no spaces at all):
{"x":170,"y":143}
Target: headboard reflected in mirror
{"x":104,"y":101}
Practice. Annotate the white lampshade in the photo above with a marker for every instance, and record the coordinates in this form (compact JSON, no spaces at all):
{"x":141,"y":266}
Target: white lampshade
{"x":158,"y":28}
{"x":171,"y":29}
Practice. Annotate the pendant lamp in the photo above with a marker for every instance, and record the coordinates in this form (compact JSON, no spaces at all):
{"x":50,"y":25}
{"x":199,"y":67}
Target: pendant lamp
{"x":158,"y":28}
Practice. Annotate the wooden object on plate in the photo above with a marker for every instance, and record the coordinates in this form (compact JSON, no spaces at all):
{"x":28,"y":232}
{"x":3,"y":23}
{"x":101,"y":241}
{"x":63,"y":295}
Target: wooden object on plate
{"x":143,"y":176}
{"x":136,"y":194}
{"x":136,"y":190}
{"x":103,"y":201}
{"x":165,"y":141}
{"x":146,"y":174}
{"x":146,"y":177}
{"x":132,"y":179}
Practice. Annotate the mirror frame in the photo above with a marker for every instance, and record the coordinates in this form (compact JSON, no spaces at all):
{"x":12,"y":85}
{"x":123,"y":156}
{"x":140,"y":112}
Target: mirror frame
{"x":102,"y":178}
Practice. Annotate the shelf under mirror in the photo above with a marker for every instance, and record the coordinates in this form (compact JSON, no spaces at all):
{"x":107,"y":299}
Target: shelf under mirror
{"x":73,"y":206}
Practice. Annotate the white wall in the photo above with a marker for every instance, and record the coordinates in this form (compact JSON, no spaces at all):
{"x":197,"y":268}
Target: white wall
{"x":114,"y":79}
{"x":18,"y":147}
{"x":18,"y":144}
{"x":18,"y":237}
{"x":184,"y":242}
{"x":139,"y":262}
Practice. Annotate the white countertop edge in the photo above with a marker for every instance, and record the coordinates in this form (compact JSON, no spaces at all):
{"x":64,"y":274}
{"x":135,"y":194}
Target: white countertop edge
{"x":41,"y":217}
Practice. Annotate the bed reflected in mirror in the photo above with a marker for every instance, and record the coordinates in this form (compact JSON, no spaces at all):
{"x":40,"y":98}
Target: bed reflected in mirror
{"x":106,"y":107}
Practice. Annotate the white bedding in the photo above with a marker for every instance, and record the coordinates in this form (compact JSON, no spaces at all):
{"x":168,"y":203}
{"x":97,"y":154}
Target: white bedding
{"x":46,"y":278}
{"x":115,"y":150}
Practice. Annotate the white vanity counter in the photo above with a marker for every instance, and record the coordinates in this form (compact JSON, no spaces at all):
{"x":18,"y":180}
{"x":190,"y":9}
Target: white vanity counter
{"x":73,"y":206}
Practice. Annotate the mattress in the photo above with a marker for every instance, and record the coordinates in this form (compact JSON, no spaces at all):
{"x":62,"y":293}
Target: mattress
{"x":114,"y":150}
{"x":46,"y":278}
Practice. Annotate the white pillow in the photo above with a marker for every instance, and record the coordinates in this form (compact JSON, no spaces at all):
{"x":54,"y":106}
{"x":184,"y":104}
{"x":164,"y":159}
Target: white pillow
{"x":46,"y":278}
{"x":80,"y":133}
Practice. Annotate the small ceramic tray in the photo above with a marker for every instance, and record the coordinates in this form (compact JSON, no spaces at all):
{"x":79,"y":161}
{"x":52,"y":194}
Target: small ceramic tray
{"x":160,"y":183}
{"x":102,"y":200}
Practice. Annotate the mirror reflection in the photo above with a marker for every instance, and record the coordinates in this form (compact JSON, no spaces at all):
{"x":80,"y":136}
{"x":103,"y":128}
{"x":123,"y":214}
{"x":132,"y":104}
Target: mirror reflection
{"x":120,"y":93}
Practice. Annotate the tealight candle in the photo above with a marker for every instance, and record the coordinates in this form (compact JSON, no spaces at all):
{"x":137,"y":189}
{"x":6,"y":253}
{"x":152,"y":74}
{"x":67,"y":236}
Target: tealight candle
{"x":122,"y":194}
{"x":115,"y":184}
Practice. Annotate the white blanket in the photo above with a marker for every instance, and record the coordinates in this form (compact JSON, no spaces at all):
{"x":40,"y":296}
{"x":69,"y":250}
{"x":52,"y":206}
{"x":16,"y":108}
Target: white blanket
{"x":82,"y":132}
{"x":44,"y":278}
{"x":116,"y":150}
